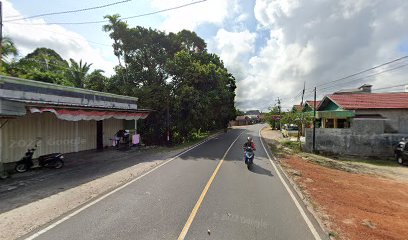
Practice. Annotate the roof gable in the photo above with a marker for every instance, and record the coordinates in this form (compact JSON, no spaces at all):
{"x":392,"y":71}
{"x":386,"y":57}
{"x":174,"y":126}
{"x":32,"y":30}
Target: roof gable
{"x":328,"y":104}
{"x":297,"y":108}
{"x":309,"y":105}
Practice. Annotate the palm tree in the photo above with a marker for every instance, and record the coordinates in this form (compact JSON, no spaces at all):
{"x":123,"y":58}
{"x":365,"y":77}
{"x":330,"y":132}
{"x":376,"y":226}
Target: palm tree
{"x":8,"y":48}
{"x":78,"y":72}
{"x":117,"y":28}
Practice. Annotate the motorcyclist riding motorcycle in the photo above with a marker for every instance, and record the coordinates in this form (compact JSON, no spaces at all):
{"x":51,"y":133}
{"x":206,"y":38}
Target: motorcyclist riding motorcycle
{"x":249,"y":148}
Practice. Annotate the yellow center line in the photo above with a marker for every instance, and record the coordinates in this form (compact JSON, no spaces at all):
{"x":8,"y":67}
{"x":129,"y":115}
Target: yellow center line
{"x":200,"y":200}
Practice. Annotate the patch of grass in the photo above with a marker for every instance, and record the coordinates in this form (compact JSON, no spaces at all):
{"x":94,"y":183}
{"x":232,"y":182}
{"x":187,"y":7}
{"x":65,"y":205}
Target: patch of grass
{"x":333,"y":234}
{"x":273,"y":147}
{"x":198,"y":137}
{"x":329,"y":163}
{"x":277,"y":151}
{"x":377,"y":162}
{"x":295,"y":146}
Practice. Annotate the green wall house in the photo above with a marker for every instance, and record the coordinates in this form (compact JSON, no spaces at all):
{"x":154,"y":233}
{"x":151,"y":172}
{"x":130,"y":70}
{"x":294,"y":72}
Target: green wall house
{"x":339,"y":110}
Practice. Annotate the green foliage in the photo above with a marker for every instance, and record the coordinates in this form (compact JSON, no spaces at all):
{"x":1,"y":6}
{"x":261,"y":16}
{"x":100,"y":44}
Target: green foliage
{"x":8,"y":49}
{"x":297,"y":118}
{"x":43,"y":64}
{"x":295,"y":146}
{"x":77,"y":73}
{"x":46,"y":65}
{"x":189,"y":89}
{"x":273,"y":117}
{"x":239,"y":112}
{"x":171,"y":72}
{"x":96,"y":81}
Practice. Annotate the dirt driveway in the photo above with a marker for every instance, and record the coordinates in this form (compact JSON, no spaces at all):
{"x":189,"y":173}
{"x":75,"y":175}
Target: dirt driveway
{"x":354,"y":200}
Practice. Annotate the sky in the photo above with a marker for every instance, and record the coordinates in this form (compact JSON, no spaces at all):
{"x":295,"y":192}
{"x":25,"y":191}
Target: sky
{"x":272,"y":47}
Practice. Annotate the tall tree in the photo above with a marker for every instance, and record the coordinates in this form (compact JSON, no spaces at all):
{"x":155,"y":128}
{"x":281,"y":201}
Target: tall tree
{"x":8,"y":48}
{"x":43,"y":64}
{"x":117,"y":30}
{"x":96,"y":81}
{"x":171,"y":73}
{"x":77,"y":72}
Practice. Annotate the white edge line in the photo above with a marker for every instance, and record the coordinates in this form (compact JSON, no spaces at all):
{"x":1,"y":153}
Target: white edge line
{"x":299,"y":207}
{"x":44,"y":230}
{"x":236,"y":139}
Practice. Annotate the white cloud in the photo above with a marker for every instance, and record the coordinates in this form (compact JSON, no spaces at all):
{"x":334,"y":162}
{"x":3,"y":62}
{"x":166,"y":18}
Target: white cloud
{"x":234,"y":48}
{"x":210,"y":11}
{"x":321,"y":40}
{"x":269,"y":12}
{"x":66,"y":43}
{"x":242,"y":17}
{"x":306,"y":40}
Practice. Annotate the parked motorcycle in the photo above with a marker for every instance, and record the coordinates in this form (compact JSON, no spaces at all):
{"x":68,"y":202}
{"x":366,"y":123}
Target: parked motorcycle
{"x":249,"y":156}
{"x":401,"y":151}
{"x":53,"y":160}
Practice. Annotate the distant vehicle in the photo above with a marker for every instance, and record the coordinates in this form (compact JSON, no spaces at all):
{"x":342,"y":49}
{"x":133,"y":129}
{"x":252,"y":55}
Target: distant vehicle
{"x":401,"y":151}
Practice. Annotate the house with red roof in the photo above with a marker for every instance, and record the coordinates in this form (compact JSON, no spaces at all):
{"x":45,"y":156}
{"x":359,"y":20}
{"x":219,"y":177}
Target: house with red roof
{"x":337,"y":110}
{"x":297,"y":108}
{"x":359,"y":122}
{"x":310,"y":105}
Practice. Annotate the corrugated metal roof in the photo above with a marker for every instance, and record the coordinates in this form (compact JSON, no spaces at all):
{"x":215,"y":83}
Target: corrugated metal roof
{"x":66,"y":105}
{"x":52,"y":86}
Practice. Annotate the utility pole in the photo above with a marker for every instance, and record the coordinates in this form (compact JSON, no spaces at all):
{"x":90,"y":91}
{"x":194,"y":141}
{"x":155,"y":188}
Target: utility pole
{"x":279,"y":108}
{"x":3,"y":173}
{"x":303,"y":93}
{"x":300,"y":128}
{"x":314,"y":121}
{"x":1,"y":34}
{"x":168,"y":122}
{"x":2,"y":170}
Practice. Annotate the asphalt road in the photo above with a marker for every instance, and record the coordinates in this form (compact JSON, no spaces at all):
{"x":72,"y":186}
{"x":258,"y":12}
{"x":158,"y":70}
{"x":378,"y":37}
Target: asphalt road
{"x":239,"y":204}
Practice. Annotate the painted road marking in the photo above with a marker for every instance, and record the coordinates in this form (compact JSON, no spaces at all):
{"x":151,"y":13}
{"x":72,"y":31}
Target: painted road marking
{"x":302,"y":212}
{"x":35,"y":235}
{"x":204,"y":192}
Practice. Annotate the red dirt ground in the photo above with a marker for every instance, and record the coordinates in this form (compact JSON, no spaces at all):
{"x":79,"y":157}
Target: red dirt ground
{"x":358,"y":206}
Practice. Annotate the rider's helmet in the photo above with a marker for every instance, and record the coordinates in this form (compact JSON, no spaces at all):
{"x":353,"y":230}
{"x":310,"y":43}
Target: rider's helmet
{"x":249,"y":139}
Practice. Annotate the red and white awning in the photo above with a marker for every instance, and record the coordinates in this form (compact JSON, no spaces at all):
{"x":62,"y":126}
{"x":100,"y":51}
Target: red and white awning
{"x":77,"y":115}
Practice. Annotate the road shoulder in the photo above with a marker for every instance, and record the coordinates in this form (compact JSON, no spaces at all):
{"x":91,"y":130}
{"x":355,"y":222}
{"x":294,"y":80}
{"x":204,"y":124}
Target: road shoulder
{"x":348,"y":199}
{"x":321,"y":229}
{"x":25,"y":219}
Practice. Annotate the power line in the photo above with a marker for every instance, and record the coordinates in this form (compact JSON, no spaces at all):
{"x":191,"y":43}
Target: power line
{"x":371,"y":75}
{"x":293,"y":98}
{"x":367,"y":70}
{"x":310,"y":91}
{"x":70,"y":37}
{"x":355,"y":79}
{"x":105,"y":21}
{"x":388,"y":87}
{"x":69,"y":11}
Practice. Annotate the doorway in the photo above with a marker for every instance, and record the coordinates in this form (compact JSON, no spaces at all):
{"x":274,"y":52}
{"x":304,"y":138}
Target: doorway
{"x":99,"y":135}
